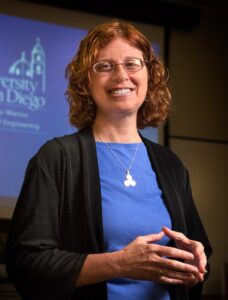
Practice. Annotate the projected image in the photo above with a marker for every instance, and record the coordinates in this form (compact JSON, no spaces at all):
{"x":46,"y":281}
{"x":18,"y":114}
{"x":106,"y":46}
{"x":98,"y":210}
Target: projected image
{"x":22,"y":93}
{"x":32,"y":85}
{"x":33,"y":107}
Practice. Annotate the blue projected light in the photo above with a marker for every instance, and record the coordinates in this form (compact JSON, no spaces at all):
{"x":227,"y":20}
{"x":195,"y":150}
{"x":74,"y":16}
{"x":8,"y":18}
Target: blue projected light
{"x":33,"y":108}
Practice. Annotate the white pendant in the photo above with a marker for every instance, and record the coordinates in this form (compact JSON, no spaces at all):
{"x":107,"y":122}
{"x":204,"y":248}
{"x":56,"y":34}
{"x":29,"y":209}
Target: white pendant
{"x":129,"y":180}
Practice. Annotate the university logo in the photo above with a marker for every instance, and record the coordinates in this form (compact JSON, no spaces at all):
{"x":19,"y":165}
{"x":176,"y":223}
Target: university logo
{"x":25,"y":84}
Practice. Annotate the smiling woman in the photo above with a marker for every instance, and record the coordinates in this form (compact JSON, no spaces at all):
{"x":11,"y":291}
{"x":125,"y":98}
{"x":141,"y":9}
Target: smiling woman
{"x":120,"y":93}
{"x":105,"y":213}
{"x":138,"y":53}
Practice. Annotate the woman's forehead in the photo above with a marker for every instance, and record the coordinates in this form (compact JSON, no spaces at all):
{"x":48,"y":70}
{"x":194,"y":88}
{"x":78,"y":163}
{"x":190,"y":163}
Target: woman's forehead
{"x":118,"y":48}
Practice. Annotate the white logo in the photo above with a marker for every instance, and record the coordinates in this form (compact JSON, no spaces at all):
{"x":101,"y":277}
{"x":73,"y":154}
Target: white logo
{"x":26,"y":85}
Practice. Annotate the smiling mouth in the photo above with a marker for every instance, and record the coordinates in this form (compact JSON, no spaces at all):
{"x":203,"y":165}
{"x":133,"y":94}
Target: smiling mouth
{"x":121,"y":91}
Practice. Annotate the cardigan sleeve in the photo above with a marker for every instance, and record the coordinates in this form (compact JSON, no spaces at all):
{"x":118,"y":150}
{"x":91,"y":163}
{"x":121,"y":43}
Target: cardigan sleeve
{"x":195,"y":231}
{"x":36,"y":265}
{"x":195,"y":228}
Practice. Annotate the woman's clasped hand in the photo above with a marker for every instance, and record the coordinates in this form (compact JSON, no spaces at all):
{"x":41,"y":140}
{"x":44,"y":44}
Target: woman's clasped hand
{"x":183,"y":264}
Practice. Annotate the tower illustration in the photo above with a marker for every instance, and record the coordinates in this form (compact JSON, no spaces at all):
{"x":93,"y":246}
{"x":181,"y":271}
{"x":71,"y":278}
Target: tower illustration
{"x":38,"y":67}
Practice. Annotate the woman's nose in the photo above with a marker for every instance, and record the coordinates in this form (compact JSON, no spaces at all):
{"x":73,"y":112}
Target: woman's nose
{"x":120,"y":71}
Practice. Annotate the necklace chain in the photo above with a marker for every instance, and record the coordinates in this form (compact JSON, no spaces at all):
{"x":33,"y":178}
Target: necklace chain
{"x":128,"y":180}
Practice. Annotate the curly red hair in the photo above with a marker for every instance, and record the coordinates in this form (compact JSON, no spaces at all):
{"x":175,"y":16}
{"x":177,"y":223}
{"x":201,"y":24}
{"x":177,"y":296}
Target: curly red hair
{"x":156,"y":106}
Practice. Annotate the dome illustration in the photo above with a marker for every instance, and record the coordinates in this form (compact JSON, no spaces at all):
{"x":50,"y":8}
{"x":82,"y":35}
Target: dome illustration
{"x":21,"y":67}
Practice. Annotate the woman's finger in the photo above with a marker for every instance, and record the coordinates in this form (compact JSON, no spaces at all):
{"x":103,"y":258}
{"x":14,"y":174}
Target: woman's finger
{"x":172,"y":277}
{"x":172,"y":252}
{"x":150,"y":238}
{"x":175,"y":235}
{"x":178,"y":266}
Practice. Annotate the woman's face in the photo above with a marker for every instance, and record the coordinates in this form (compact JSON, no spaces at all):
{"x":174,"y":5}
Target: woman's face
{"x":118,"y":93}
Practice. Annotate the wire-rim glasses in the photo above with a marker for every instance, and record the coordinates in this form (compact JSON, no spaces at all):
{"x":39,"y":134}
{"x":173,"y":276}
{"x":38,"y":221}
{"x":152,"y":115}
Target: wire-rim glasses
{"x":130,"y":65}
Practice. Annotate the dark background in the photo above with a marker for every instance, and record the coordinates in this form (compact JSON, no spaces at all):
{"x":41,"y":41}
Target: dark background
{"x":178,"y":14}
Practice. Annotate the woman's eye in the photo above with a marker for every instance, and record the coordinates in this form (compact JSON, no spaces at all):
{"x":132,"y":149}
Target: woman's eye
{"x":131,"y":65}
{"x":105,"y":66}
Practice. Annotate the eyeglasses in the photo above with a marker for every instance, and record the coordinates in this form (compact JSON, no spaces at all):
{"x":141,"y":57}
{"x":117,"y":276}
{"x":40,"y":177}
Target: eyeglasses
{"x":130,"y":65}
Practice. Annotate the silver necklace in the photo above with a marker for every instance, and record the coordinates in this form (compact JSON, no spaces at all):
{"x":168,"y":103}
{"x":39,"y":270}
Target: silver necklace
{"x":129,"y":181}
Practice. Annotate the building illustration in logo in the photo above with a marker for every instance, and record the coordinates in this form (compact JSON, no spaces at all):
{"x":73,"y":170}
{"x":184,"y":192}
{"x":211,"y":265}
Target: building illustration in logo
{"x":35,"y":68}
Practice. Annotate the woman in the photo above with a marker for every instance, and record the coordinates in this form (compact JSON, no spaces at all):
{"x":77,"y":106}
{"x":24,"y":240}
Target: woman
{"x":104,"y":213}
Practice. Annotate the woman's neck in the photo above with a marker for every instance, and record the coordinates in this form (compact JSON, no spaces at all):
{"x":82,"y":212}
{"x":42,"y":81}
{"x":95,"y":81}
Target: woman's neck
{"x":116,"y":133}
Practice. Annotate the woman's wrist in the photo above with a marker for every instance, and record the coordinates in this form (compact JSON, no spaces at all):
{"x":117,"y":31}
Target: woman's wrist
{"x":116,"y":261}
{"x":101,"y":267}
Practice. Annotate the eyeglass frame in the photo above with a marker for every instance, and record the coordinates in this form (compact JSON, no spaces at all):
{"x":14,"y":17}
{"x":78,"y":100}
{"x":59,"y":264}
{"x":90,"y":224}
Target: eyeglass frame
{"x":142,"y":62}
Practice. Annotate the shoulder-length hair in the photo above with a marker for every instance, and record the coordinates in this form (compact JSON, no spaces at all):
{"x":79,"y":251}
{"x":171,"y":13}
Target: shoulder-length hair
{"x":156,"y":106}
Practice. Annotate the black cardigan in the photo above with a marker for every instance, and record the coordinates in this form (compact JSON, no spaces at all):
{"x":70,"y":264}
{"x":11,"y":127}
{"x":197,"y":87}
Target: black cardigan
{"x":58,"y":218}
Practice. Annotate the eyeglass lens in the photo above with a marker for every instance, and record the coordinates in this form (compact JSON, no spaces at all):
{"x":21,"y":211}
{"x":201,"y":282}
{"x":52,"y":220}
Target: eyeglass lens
{"x":130,"y":65}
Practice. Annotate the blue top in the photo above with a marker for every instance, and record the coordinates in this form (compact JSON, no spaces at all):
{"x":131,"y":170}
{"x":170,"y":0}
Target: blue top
{"x":130,"y":211}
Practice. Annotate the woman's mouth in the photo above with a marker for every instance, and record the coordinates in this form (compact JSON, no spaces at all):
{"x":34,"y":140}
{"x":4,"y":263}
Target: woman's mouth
{"x":122,"y":91}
